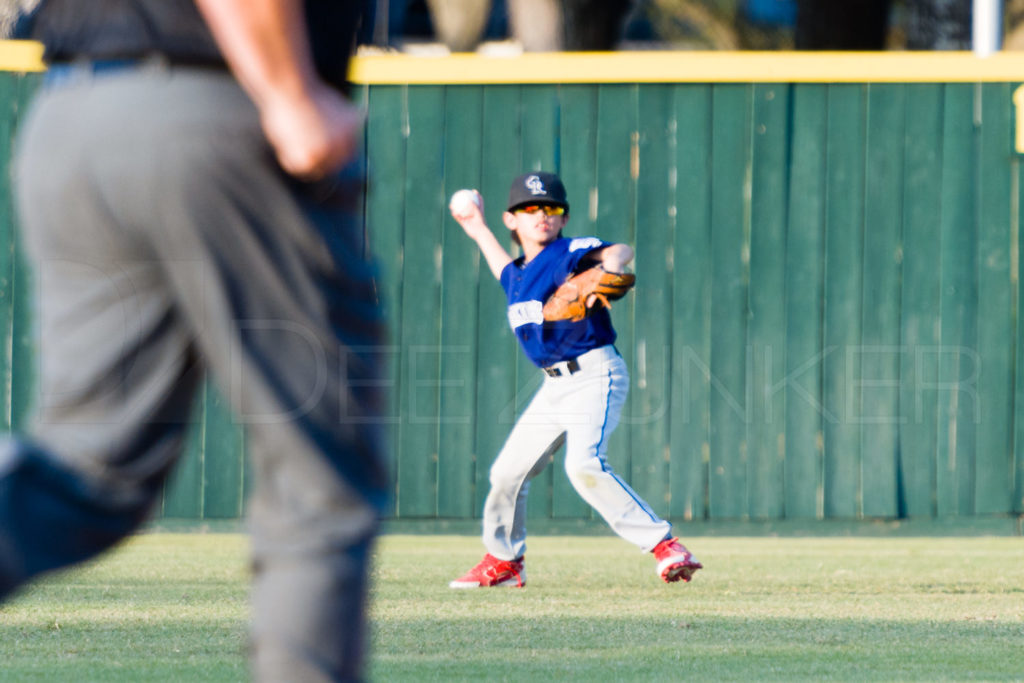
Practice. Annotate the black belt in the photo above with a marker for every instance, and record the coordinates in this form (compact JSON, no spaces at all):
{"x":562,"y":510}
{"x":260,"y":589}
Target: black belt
{"x":67,"y":71}
{"x":62,"y":72}
{"x":571,"y":365}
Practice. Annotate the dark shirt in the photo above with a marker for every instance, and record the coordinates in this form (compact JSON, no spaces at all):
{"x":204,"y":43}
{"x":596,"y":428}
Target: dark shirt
{"x":127,"y":29}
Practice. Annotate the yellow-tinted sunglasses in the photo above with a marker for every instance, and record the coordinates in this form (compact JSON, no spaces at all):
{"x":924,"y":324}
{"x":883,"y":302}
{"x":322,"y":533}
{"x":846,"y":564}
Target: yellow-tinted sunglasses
{"x":546,"y":208}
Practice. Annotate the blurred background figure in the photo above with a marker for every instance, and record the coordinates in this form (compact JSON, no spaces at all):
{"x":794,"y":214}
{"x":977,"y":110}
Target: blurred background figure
{"x":938,"y":24}
{"x":582,"y":25}
{"x":537,"y":25}
{"x":881,"y":24}
{"x":15,"y":18}
{"x":595,"y":25}
{"x":851,"y":25}
{"x":586,"y":25}
{"x":573,"y":25}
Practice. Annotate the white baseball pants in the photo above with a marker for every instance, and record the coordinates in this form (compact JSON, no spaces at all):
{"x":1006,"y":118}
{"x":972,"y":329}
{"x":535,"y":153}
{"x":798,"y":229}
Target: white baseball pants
{"x":582,"y":409}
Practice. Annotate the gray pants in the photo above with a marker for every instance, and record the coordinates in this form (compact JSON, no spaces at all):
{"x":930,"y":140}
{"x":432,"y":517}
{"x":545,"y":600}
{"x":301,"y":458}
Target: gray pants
{"x":166,"y":245}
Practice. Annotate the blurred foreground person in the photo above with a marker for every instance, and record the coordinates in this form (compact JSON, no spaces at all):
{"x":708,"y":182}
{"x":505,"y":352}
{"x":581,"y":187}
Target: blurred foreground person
{"x":191,"y":203}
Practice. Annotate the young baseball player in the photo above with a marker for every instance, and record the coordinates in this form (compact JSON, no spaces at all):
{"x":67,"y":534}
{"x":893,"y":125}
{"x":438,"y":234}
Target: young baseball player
{"x":581,"y":398}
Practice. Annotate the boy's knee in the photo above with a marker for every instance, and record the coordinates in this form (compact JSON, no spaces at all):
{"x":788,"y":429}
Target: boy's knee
{"x":583,"y":472}
{"x":500,"y":477}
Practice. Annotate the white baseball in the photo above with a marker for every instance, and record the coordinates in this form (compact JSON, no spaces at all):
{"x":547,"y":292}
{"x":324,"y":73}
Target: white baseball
{"x":462,"y":200}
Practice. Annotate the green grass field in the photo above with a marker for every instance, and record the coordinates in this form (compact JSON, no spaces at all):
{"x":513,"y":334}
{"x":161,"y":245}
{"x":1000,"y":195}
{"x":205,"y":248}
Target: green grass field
{"x":172,"y":607}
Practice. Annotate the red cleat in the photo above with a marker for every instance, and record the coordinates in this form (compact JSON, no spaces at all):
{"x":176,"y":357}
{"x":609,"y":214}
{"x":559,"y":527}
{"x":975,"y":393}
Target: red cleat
{"x":493,"y":572}
{"x":674,"y":561}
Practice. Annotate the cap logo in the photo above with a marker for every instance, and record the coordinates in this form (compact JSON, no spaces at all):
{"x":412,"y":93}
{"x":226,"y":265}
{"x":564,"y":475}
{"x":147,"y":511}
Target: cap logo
{"x":534,"y":185}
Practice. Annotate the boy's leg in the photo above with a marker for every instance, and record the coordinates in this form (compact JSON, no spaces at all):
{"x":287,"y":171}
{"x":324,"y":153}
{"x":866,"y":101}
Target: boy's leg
{"x":596,"y":398}
{"x":526,"y":452}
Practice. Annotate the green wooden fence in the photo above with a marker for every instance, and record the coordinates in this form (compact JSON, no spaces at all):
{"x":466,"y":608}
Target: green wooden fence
{"x":825,"y":324}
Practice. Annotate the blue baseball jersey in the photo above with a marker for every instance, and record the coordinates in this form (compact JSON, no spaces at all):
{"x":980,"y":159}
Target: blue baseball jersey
{"x":528,"y":286}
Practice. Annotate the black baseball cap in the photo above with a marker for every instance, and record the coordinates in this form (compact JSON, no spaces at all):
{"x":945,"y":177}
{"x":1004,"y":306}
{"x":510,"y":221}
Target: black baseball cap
{"x":537,"y":188}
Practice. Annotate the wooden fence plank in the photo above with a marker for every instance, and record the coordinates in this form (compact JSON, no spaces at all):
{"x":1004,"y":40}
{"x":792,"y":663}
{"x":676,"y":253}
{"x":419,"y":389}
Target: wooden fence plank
{"x":919,"y":307}
{"x":387,"y":127}
{"x":223,"y":459}
{"x":16,"y":284}
{"x":9,"y":85}
{"x":183,"y":490}
{"x":22,"y":342}
{"x":994,"y":451}
{"x":844,"y":235}
{"x":497,"y":350}
{"x":538,"y":112}
{"x":957,"y":357}
{"x":730,"y":150}
{"x":805,"y":249}
{"x":577,"y":154}
{"x":878,"y":412}
{"x":650,"y":367}
{"x":421,"y":311}
{"x":1017,"y":220}
{"x":689,"y":436}
{"x":766,"y":329}
{"x":459,"y":304}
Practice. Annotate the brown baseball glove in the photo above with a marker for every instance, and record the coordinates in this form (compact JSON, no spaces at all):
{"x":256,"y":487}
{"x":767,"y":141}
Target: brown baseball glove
{"x":586,"y":292}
